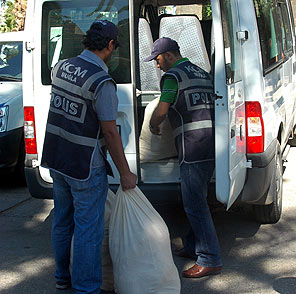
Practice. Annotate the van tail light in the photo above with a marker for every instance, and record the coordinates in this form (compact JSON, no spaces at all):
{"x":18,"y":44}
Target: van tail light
{"x":255,"y":127}
{"x":29,"y":130}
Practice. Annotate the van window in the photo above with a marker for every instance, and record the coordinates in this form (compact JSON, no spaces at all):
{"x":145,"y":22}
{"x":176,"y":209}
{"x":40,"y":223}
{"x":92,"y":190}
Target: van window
{"x":287,"y":41}
{"x":231,"y":44}
{"x":11,"y":61}
{"x":270,"y":32}
{"x":292,"y":18}
{"x":202,"y":11}
{"x":65,"y":22}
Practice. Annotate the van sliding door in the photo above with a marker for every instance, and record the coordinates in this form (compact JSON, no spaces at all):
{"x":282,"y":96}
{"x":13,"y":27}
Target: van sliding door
{"x":229,"y":105}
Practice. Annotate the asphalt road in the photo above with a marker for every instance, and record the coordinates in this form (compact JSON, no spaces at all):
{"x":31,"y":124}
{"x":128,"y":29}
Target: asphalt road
{"x":258,"y":259}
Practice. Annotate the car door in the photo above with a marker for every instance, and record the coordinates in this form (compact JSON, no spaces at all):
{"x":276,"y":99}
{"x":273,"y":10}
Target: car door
{"x":288,"y":76}
{"x":230,"y":136}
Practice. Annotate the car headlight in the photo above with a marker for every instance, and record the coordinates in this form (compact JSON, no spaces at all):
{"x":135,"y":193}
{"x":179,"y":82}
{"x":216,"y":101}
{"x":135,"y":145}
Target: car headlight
{"x":3,"y":118}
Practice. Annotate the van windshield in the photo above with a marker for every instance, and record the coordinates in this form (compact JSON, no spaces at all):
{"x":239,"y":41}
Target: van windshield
{"x":11,"y":61}
{"x":65,"y":22}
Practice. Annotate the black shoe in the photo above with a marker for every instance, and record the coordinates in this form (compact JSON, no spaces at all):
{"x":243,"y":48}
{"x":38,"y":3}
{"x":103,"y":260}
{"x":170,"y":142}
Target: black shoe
{"x":183,"y":253}
{"x":63,"y":285}
{"x":107,"y":292}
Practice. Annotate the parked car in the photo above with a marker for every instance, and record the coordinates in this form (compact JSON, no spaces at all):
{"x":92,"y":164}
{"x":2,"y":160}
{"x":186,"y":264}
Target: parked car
{"x":12,"y":149}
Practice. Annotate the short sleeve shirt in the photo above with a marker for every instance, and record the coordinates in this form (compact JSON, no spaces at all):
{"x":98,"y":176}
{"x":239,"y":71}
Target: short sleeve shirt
{"x":106,"y":101}
{"x":169,"y":89}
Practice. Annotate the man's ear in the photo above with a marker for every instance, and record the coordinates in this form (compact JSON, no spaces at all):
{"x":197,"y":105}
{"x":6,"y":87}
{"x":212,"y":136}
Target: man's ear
{"x":169,"y":55}
{"x":111,"y":44}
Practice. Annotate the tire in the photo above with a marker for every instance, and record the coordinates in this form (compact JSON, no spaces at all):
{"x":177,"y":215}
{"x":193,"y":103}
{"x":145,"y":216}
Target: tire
{"x":292,"y":142}
{"x":271,"y":213}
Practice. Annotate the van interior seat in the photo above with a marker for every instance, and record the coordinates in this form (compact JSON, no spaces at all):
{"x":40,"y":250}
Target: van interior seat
{"x":149,"y":73}
{"x":187,"y":31}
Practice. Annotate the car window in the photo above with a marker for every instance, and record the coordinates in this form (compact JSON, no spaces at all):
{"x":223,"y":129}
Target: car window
{"x":11,"y":61}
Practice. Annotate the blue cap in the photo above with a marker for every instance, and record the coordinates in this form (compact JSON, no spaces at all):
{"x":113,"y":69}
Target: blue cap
{"x":161,"y":46}
{"x":104,"y":28}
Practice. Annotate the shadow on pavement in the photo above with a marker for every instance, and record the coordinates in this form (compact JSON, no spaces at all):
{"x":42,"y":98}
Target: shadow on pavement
{"x":250,"y":251}
{"x":11,"y":180}
{"x":285,"y":285}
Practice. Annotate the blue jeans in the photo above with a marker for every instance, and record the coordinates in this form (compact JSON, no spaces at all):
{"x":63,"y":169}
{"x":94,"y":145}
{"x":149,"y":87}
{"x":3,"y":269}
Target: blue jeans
{"x":79,"y":210}
{"x":202,"y":239}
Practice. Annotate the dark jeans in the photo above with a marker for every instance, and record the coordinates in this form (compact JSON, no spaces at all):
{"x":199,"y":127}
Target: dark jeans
{"x":203,"y":239}
{"x":79,"y":210}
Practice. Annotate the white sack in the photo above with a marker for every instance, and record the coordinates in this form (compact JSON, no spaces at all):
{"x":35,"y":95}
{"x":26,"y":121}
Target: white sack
{"x":140,"y":247}
{"x":107,"y":268}
{"x":154,"y":147}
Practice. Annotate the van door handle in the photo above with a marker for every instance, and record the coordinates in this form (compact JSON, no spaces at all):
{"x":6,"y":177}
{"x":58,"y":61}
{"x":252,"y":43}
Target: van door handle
{"x":139,"y":93}
{"x":232,"y":133}
{"x":241,"y":132}
{"x":242,"y":35}
{"x":216,"y":97}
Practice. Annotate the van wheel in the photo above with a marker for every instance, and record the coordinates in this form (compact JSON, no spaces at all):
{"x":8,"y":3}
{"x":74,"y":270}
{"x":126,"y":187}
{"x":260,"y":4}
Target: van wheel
{"x":271,"y":213}
{"x":292,"y":142}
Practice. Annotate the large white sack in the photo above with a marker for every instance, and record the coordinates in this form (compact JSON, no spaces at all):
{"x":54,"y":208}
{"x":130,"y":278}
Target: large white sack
{"x":154,"y":147}
{"x":107,"y":268}
{"x":139,"y":244}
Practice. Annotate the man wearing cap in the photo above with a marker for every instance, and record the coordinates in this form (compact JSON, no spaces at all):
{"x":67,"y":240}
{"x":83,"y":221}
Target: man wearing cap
{"x":187,"y":99}
{"x":82,"y":116}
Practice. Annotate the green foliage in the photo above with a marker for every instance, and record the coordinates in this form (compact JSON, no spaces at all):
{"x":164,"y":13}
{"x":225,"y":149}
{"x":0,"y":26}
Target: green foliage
{"x":9,"y":18}
{"x":206,"y":11}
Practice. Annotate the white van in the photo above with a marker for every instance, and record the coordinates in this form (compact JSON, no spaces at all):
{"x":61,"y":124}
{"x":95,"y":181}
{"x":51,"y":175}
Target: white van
{"x":12,"y":147}
{"x":247,"y":45}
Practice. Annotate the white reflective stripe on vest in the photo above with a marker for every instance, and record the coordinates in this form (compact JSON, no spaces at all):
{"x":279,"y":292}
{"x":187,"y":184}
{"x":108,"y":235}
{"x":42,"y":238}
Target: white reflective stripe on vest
{"x":76,"y":139}
{"x":197,"y":125}
{"x":77,"y":90}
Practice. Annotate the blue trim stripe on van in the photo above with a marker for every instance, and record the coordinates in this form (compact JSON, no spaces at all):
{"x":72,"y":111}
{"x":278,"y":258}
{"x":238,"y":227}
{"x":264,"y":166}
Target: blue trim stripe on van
{"x":3,"y":104}
{"x":279,"y":103}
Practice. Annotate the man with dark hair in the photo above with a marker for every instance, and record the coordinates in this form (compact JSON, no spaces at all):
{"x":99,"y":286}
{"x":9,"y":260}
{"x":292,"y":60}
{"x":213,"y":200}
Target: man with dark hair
{"x":92,"y":41}
{"x":187,"y":99}
{"x":82,"y":116}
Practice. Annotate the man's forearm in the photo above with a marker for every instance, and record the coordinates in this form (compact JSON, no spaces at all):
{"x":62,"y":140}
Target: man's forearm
{"x":156,"y":118}
{"x":114,"y":145}
{"x":159,"y":114}
{"x":128,"y":180}
{"x":116,"y":151}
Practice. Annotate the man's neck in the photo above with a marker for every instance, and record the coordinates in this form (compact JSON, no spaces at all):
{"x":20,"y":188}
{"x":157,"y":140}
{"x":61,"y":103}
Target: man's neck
{"x":103,"y":54}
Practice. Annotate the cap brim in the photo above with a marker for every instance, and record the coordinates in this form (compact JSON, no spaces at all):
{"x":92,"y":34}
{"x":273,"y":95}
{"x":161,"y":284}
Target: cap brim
{"x":151,"y":57}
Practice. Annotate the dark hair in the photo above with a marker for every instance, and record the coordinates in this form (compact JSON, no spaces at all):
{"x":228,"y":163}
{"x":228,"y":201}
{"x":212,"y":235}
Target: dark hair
{"x":93,"y":41}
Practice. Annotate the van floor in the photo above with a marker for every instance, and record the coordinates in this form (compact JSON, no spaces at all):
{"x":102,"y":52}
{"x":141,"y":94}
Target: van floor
{"x":161,"y":171}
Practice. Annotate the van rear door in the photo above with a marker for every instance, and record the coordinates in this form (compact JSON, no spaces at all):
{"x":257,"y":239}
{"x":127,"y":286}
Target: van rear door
{"x":63,"y":24}
{"x":230,"y":136}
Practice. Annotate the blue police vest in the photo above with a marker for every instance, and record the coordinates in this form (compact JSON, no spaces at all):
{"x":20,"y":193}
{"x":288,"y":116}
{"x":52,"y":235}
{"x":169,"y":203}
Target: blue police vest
{"x":73,"y":129}
{"x":192,"y":114}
